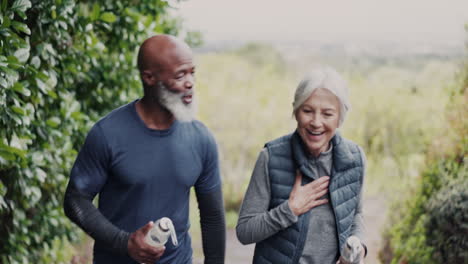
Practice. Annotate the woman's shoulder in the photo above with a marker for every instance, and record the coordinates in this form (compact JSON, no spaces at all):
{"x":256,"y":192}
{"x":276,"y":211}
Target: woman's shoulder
{"x":279,"y":141}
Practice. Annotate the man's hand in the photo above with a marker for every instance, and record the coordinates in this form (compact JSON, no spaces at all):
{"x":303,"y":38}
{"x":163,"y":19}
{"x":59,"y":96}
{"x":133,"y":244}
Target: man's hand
{"x":304,"y":198}
{"x":139,"y":250}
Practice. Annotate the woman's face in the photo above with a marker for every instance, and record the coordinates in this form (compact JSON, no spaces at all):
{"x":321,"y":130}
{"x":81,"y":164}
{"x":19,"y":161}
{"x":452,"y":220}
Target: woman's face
{"x":317,"y":120}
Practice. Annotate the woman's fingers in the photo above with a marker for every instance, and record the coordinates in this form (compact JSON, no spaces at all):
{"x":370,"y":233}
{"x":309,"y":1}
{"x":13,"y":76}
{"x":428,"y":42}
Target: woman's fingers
{"x":319,"y":194}
{"x":318,"y":185}
{"x":303,"y":198}
{"x":316,"y":203}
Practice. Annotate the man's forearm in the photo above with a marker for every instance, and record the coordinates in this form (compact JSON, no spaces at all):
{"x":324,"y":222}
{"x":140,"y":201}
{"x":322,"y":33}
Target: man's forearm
{"x":213,"y":226}
{"x":80,"y":209}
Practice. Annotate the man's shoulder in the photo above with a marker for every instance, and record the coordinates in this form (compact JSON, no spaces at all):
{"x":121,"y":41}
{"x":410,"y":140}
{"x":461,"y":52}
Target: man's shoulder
{"x":117,"y":116}
{"x":199,"y":132}
{"x":198,"y":128}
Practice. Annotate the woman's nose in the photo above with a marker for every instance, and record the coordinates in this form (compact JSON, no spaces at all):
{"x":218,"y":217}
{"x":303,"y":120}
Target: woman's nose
{"x":315,"y":121}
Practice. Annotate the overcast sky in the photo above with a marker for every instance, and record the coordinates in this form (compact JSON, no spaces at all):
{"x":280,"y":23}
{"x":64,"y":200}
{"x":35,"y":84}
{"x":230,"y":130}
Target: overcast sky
{"x":401,"y":21}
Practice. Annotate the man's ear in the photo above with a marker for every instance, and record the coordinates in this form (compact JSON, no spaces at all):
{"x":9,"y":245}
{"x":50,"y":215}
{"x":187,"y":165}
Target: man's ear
{"x":148,"y":78}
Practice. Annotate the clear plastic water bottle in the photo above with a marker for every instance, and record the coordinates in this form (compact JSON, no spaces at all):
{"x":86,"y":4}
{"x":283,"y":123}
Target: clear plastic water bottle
{"x":351,"y":253}
{"x":159,"y":234}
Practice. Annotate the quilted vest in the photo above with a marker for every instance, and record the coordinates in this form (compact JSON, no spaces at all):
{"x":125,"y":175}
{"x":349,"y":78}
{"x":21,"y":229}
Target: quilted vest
{"x":286,"y":154}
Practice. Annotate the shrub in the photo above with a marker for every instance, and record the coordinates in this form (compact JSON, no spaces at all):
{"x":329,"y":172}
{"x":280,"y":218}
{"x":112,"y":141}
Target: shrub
{"x":447,"y":223}
{"x":59,"y":59}
{"x":431,"y":227}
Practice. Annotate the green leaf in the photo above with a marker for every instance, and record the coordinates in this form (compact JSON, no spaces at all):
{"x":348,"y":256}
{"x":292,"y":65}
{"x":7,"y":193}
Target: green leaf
{"x":3,"y":83}
{"x":7,"y":155}
{"x":21,"y":89}
{"x":22,"y":54}
{"x":38,"y":158}
{"x":22,"y":14}
{"x":108,"y":17}
{"x":18,"y":110}
{"x":21,"y":5}
{"x":12,"y":150}
{"x":41,"y":85}
{"x":3,"y":189}
{"x":40,"y":174}
{"x":52,"y":94}
{"x":53,"y":122}
{"x":20,"y":27}
{"x":36,"y":62}
{"x":96,"y":11}
{"x":53,"y":222}
{"x":11,"y":77}
{"x":4,"y":5}
{"x":6,"y":22}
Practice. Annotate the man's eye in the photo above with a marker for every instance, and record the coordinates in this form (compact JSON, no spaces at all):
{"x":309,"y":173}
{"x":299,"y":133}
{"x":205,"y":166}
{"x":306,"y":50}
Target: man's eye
{"x":179,"y":76}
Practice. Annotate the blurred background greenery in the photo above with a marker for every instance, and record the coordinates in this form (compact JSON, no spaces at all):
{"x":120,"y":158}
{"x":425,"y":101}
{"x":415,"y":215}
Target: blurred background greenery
{"x":64,"y":64}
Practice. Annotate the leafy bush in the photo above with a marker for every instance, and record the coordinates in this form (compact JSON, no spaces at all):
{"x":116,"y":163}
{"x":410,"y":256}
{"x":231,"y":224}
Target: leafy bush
{"x":447,"y":223}
{"x":63,"y":64}
{"x":431,"y":227}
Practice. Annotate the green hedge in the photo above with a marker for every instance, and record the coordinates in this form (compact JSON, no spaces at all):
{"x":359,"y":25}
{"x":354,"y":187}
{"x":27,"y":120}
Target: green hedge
{"x":432,"y":224}
{"x":447,"y":225}
{"x":63,"y":64}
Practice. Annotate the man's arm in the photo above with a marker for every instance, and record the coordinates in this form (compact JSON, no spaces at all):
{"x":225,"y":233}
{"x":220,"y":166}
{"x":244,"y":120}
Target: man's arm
{"x":88,"y":176}
{"x":213,"y":225}
{"x":208,"y":189}
{"x":81,"y":210}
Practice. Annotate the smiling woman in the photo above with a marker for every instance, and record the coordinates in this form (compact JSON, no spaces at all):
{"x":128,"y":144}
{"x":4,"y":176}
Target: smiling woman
{"x":317,"y":120}
{"x":320,"y":106}
{"x":286,"y":209}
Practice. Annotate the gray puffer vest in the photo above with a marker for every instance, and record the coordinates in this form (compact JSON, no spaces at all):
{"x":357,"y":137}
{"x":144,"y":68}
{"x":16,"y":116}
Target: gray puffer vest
{"x":286,"y":154}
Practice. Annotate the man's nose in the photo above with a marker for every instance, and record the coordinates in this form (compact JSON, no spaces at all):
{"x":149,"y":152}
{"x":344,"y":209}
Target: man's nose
{"x":190,"y":81}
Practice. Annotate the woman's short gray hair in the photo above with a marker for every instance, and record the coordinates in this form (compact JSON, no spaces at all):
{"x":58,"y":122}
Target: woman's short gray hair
{"x":327,"y":78}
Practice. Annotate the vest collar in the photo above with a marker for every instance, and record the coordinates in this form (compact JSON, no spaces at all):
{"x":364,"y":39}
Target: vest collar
{"x":342,"y":156}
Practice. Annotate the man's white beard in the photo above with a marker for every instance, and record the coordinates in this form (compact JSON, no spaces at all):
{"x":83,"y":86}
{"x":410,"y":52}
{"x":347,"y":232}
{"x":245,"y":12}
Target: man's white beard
{"x":174,"y":104}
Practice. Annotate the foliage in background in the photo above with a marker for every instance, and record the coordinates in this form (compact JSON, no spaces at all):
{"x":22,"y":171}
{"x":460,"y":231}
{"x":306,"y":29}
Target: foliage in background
{"x":432,"y":225}
{"x":63,"y":64}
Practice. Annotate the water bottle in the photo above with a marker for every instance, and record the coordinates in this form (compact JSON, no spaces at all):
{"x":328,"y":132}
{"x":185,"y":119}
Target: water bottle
{"x":159,"y":234}
{"x":351,"y":253}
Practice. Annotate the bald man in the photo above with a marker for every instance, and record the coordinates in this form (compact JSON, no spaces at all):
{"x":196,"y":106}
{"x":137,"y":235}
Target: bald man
{"x":142,"y":159}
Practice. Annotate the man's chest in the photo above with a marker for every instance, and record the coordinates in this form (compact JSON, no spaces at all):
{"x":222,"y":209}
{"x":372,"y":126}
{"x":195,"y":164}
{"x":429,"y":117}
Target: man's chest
{"x":171,"y":163}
